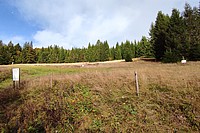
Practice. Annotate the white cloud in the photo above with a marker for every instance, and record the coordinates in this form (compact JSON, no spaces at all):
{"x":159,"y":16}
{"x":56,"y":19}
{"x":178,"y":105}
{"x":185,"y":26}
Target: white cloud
{"x":46,"y":38}
{"x":75,"y":23}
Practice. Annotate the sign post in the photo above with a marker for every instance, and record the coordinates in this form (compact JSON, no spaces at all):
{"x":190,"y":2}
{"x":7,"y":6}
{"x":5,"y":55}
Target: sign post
{"x":16,"y":77}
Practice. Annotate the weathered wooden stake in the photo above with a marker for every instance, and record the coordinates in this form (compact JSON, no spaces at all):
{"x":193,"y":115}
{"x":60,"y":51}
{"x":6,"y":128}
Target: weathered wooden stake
{"x":51,"y":80}
{"x":136,"y":84}
{"x":14,"y":84}
{"x":19,"y":79}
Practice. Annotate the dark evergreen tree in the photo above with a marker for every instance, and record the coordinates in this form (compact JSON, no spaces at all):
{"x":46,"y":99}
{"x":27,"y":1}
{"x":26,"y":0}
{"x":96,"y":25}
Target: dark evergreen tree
{"x":152,"y":33}
{"x":132,"y":50}
{"x":136,"y":49}
{"x":4,"y":58}
{"x":118,"y":55}
{"x":55,"y":54}
{"x":6,"y":55}
{"x":188,"y":26}
{"x":158,"y":35}
{"x":177,"y":36}
{"x":1,"y":53}
{"x":25,"y":51}
{"x":42,"y":55}
{"x":122,"y":50}
{"x":67,"y":56}
{"x":11,"y":52}
{"x":170,"y":56}
{"x":79,"y":54}
{"x":89,"y":53}
{"x":112,"y":53}
{"x":18,"y":55}
{"x":127,"y":51}
{"x":97,"y":50}
{"x":28,"y":53}
{"x":104,"y":51}
{"x":73,"y":56}
{"x":144,"y":48}
{"x":148,"y":48}
{"x":62,"y":55}
{"x":82,"y":55}
{"x":174,"y":38}
{"x":191,"y":48}
{"x":141,"y":47}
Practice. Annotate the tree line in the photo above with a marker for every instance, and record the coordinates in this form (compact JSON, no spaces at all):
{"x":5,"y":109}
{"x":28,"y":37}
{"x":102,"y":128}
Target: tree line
{"x":10,"y":53}
{"x":172,"y":38}
{"x":177,"y":36}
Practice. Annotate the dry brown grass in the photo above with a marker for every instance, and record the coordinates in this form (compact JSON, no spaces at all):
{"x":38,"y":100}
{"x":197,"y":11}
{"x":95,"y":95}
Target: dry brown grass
{"x":102,"y":98}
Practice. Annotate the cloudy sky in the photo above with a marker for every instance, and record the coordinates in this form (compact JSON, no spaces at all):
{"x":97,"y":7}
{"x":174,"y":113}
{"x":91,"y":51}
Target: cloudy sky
{"x":75,"y":23}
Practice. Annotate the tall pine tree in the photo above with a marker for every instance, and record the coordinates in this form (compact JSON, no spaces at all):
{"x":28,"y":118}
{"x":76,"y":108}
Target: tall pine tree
{"x":127,"y":51}
{"x":118,"y":55}
{"x":159,"y":34}
{"x":174,"y":38}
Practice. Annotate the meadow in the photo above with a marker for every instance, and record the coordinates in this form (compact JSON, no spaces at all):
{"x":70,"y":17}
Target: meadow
{"x":102,"y":98}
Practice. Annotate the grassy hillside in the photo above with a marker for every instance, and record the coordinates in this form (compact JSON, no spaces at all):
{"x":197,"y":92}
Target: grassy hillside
{"x":101,"y":98}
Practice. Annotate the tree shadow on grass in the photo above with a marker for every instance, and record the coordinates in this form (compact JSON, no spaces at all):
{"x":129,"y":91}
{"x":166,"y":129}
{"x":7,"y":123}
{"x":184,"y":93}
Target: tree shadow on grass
{"x":10,"y":99}
{"x":148,"y":59}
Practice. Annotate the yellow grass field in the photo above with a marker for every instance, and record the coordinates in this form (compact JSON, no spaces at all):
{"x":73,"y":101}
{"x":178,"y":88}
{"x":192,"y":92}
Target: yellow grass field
{"x":101,"y":97}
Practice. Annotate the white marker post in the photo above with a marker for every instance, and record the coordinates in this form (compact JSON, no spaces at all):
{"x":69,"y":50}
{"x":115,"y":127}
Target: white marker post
{"x":16,"y":77}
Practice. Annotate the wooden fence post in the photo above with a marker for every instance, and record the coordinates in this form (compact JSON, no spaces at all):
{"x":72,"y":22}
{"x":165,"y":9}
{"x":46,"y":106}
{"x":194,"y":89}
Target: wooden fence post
{"x":14,"y":84}
{"x":51,"y":80}
{"x":136,"y":83}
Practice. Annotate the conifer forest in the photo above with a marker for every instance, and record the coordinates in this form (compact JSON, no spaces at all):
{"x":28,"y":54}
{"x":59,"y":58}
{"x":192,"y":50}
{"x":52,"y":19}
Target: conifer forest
{"x":172,"y":38}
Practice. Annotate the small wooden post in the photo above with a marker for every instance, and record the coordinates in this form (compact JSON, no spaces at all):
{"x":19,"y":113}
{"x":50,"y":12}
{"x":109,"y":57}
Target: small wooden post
{"x":136,"y":84}
{"x":14,"y":84}
{"x":51,"y":80}
{"x":19,"y":79}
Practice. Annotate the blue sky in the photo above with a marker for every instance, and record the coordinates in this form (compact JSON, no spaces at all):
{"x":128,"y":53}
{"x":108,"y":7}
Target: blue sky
{"x":13,"y":26}
{"x":75,"y":23}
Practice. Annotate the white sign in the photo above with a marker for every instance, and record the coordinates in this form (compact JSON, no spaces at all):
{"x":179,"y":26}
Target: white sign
{"x":15,"y":72}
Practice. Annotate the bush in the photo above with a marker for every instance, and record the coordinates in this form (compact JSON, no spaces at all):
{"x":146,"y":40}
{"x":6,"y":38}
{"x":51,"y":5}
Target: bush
{"x":170,"y":57}
{"x":128,"y":58}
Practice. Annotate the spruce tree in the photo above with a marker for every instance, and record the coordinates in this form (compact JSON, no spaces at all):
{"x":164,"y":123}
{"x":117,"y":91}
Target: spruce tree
{"x":118,"y":55}
{"x":106,"y":51}
{"x":97,"y":50}
{"x":127,"y":51}
{"x":112,"y":53}
{"x":11,"y":52}
{"x":192,"y":32}
{"x":28,"y":53}
{"x":174,"y":39}
{"x":61,"y":55}
{"x":39,"y":54}
{"x":3,"y":54}
{"x":89,"y":53}
{"x":132,"y":50}
{"x":122,"y":50}
{"x":144,"y":48}
{"x":158,"y":35}
{"x":67,"y":56}
{"x":101,"y":51}
{"x":18,"y":55}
